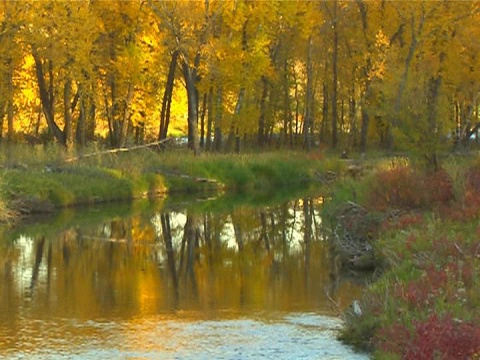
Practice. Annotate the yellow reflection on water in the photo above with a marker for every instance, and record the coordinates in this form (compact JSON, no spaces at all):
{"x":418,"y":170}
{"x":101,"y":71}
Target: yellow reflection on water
{"x":115,"y":282}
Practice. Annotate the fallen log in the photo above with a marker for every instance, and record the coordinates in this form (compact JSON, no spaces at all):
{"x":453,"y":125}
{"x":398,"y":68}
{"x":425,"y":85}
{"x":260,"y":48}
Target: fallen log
{"x":114,"y":151}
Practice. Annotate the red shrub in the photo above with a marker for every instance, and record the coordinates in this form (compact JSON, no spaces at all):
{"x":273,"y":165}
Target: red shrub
{"x":403,"y":188}
{"x":423,"y":293}
{"x":438,"y":188}
{"x":473,"y":179}
{"x":396,"y":188}
{"x":433,"y":338}
{"x":469,"y":207}
{"x":402,"y":222}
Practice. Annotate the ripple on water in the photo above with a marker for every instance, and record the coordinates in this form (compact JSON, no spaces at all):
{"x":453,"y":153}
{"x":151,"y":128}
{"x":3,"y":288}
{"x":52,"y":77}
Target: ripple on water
{"x":295,"y":336}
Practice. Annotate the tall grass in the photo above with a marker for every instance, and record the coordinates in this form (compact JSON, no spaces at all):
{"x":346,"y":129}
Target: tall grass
{"x":49,"y":176}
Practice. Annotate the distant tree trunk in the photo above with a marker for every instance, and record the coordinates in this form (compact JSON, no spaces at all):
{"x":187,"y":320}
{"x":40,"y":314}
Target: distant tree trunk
{"x":362,"y":7}
{"x":2,"y":117}
{"x":233,"y":136}
{"x":190,"y":76}
{"x":202,"y":120}
{"x":261,"y":119}
{"x":307,"y":122}
{"x":324,"y":126}
{"x":167,"y":98}
{"x":435,"y":84}
{"x":208,"y":143}
{"x":125,"y":121}
{"x":297,"y":111}
{"x":415,"y":34}
{"x":353,"y":131}
{"x":47,"y":97}
{"x":287,"y":114}
{"x":364,"y":129}
{"x":67,"y":114}
{"x":335,"y":75}
{"x":110,"y":111}
{"x":10,"y":114}
{"x":86,"y":119}
{"x":218,"y":140}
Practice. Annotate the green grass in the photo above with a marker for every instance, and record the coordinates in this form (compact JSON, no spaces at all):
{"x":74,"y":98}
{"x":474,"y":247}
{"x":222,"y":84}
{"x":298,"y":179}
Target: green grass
{"x":50,"y":178}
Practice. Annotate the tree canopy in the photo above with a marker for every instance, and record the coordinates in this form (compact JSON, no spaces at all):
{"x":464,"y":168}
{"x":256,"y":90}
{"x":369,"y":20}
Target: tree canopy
{"x":342,"y":74}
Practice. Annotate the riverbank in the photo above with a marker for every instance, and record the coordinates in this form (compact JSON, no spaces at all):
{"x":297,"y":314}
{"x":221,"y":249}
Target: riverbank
{"x":422,"y":231}
{"x":37,"y":180}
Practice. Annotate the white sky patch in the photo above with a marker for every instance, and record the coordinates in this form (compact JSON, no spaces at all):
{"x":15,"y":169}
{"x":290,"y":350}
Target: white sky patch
{"x":228,"y":234}
{"x":23,"y":269}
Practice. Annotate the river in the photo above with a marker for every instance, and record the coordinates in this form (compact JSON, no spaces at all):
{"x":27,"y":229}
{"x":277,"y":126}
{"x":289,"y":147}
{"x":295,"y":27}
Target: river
{"x":173,"y":280}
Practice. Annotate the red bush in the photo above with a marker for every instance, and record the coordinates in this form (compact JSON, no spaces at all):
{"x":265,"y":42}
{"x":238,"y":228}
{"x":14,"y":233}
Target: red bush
{"x":404,"y":188}
{"x":438,"y":188}
{"x":473,"y":179}
{"x":433,"y":338}
{"x":422,"y":293}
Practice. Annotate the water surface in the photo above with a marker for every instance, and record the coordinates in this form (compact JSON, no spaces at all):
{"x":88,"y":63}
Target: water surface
{"x":151,"y":281}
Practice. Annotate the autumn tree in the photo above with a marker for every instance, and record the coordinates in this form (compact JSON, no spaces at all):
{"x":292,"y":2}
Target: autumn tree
{"x":11,"y":55}
{"x":188,"y":25}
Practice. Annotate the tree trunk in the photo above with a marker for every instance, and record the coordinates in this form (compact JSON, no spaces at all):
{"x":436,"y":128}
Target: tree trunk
{"x":80,"y":131}
{"x":335,"y":75}
{"x":415,"y":34}
{"x":67,"y":114}
{"x":307,"y":122}
{"x":167,"y":98}
{"x":352,"y":107}
{"x":362,"y":7}
{"x":324,"y":126}
{"x":297,"y":111}
{"x":190,"y":83}
{"x":202,"y":120}
{"x":233,"y":136}
{"x":364,"y":129}
{"x":10,"y":113}
{"x":2,"y":116}
{"x":218,"y":140}
{"x":261,"y":119}
{"x":208,"y":143}
{"x":434,"y":94}
{"x":287,"y":115}
{"x":47,"y":97}
{"x":126,"y":116}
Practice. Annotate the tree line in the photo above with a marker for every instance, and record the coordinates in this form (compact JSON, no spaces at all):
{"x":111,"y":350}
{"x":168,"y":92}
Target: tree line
{"x":342,"y":74}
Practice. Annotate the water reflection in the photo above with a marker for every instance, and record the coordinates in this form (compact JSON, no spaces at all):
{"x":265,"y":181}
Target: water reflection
{"x":118,"y":271}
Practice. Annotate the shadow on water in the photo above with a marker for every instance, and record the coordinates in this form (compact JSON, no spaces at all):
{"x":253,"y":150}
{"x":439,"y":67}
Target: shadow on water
{"x":237,"y":272}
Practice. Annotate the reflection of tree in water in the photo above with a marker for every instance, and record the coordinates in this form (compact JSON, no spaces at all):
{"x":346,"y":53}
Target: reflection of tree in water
{"x":167,"y":238}
{"x":271,"y":257}
{"x":188,"y":252}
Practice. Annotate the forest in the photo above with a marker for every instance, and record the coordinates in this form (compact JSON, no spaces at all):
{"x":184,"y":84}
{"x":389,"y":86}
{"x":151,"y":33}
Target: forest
{"x":347,"y":75}
{"x":392,"y":86}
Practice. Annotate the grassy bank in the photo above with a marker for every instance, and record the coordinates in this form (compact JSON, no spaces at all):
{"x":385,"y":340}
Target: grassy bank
{"x":35,"y":179}
{"x":423,"y":226}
